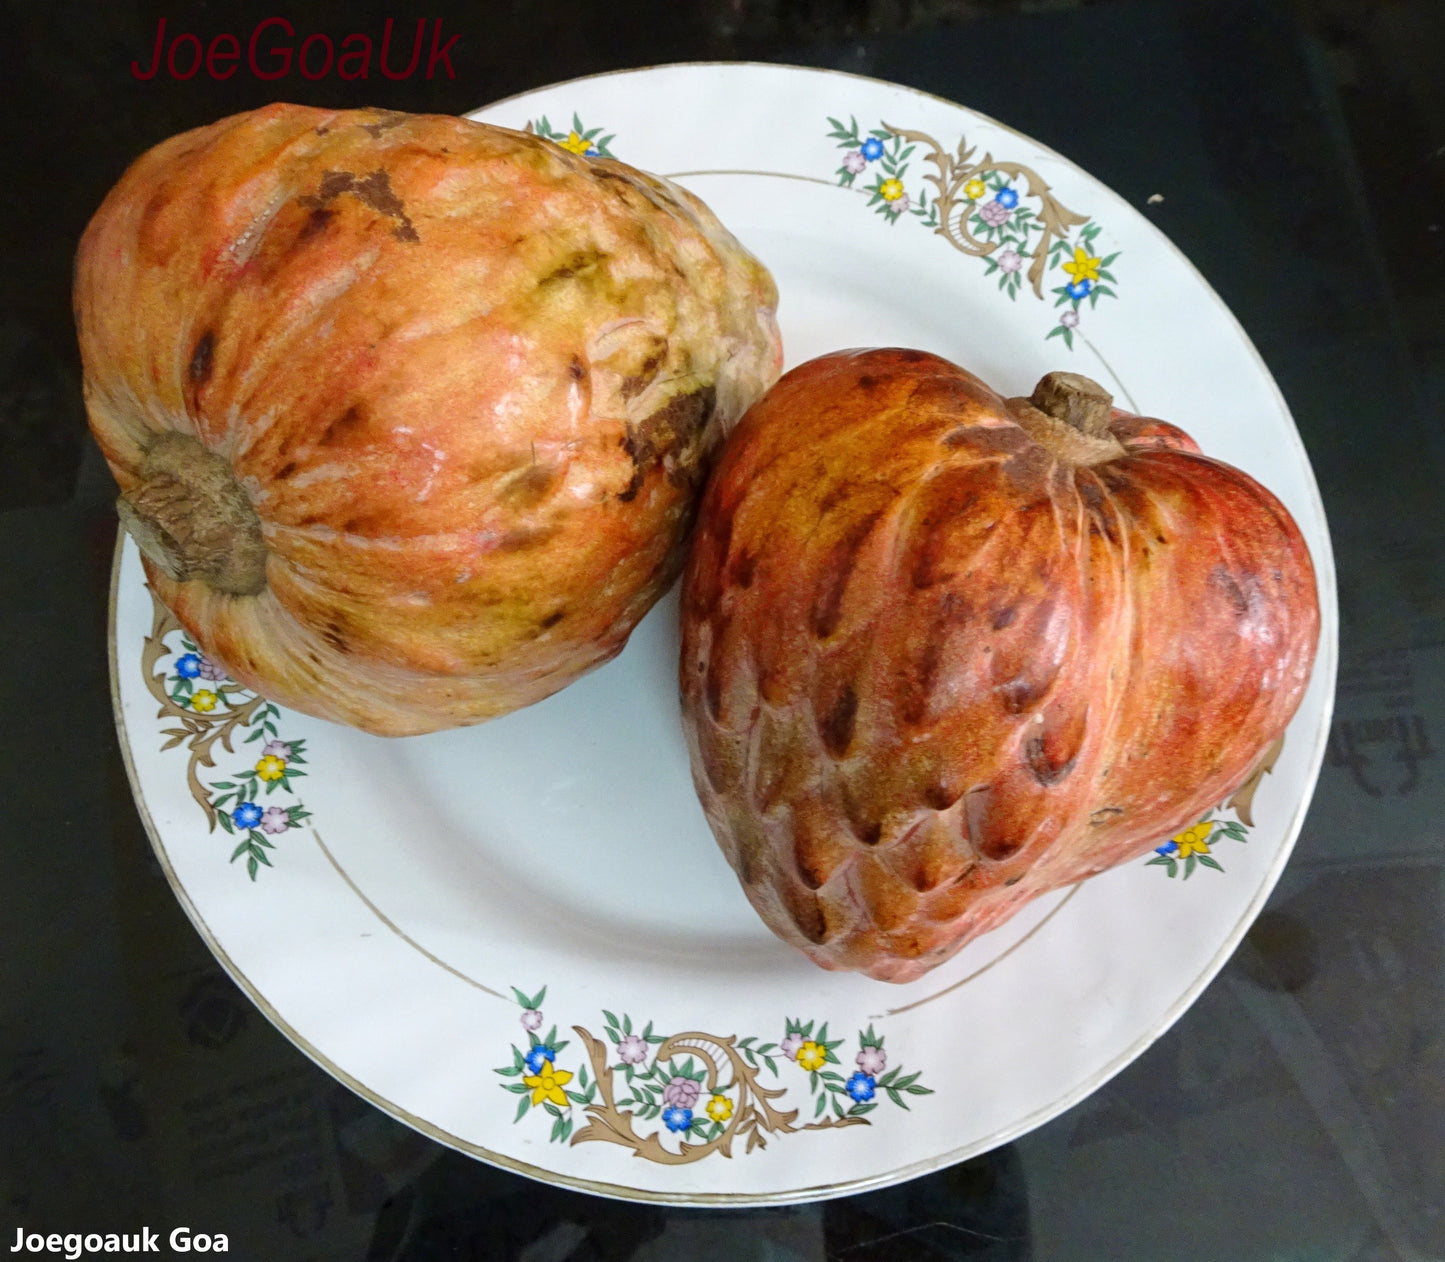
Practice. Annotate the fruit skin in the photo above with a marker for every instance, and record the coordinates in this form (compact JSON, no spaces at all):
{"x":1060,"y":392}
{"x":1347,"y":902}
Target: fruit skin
{"x":930,"y":669}
{"x":469,"y":382}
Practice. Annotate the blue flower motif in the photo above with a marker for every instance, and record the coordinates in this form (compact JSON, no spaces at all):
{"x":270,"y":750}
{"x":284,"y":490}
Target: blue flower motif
{"x":872,"y":148}
{"x":1169,"y":847}
{"x":676,"y":1119}
{"x":1007,"y":197}
{"x":860,"y":1086}
{"x":247,"y":815}
{"x":189,"y":666}
{"x":538,"y":1055}
{"x":1080,"y":288}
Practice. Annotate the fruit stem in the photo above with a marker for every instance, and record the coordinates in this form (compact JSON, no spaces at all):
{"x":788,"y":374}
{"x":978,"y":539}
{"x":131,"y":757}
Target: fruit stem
{"x":1069,"y":414}
{"x":190,"y":517}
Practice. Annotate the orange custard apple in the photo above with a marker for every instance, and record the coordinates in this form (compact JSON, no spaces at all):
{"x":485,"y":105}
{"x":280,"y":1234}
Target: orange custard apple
{"x":410,"y":414}
{"x":943,"y":651}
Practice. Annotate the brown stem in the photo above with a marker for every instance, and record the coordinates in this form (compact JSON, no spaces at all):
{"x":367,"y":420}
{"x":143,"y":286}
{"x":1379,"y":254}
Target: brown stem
{"x":1069,"y":414}
{"x":192,"y":519}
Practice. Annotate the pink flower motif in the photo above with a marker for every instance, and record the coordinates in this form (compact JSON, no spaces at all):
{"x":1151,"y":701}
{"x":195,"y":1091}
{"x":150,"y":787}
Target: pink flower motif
{"x":872,"y":1061}
{"x":531,"y":1020}
{"x":1069,"y":319}
{"x":632,"y":1049}
{"x":681,"y":1093}
{"x":211,"y":670}
{"x":276,"y":749}
{"x":995,"y":214}
{"x":900,"y":205}
{"x":854,"y":161}
{"x":790,"y":1045}
{"x":275,"y":820}
{"x":1010,"y":260}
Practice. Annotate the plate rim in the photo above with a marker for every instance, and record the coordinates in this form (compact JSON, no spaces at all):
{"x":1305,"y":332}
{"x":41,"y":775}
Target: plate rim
{"x":1324,"y":673}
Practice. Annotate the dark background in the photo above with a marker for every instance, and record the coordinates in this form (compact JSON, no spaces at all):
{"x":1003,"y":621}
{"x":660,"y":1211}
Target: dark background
{"x":1297,"y":1111}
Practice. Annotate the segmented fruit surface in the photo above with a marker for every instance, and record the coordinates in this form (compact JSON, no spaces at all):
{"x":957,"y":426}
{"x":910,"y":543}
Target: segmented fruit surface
{"x":940,"y":655}
{"x":466,"y":383}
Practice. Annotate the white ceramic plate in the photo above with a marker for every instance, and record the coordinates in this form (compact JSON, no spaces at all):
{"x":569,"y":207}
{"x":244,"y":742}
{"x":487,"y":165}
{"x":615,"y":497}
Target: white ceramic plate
{"x":382,"y":909}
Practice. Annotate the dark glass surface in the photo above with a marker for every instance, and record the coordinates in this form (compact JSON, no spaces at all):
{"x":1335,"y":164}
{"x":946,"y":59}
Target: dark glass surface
{"x":1297,"y":1111}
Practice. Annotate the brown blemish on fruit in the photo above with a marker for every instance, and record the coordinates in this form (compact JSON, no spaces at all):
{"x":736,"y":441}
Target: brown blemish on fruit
{"x":553,"y":618}
{"x":199,"y":369}
{"x":579,"y":263}
{"x":669,"y":436}
{"x":372,"y":190}
{"x":525,"y":489}
{"x":634,"y":484}
{"x":577,"y":370}
{"x":1223,"y":581}
{"x":1004,"y":618}
{"x":286,"y":470}
{"x":315,"y":223}
{"x":833,"y":575}
{"x":343,"y":427}
{"x":374,"y":130}
{"x":635,"y":384}
{"x":525,"y":537}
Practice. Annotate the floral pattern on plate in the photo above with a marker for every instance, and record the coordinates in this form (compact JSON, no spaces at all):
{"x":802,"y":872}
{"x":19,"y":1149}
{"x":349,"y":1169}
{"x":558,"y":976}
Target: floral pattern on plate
{"x":703,"y":1089}
{"x":1192,"y":848}
{"x":588,"y":142}
{"x":207,"y":707}
{"x":982,"y":208}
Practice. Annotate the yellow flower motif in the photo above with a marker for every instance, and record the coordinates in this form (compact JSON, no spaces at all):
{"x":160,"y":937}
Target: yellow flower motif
{"x":812,"y":1056}
{"x":270,"y":767}
{"x":891,"y":190}
{"x":1083,"y":267}
{"x":575,"y":143}
{"x":547,"y":1084}
{"x":204,"y":700}
{"x":974,"y":189}
{"x":719,"y":1108}
{"x":1194,"y":840}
